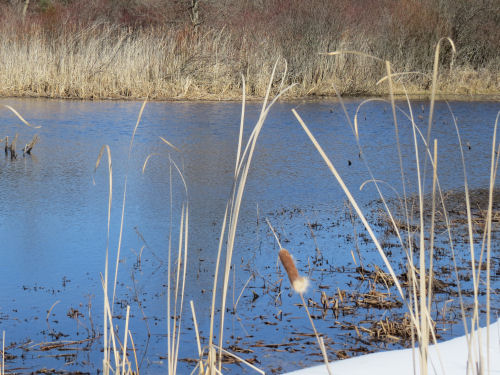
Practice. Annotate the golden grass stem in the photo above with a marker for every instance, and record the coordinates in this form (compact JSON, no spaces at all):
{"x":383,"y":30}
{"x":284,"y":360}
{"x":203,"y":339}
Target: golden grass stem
{"x":106,"y":264}
{"x":242,"y":122}
{"x":48,"y":313}
{"x":433,"y":217}
{"x":488,"y":241}
{"x":135,"y":353}
{"x":239,"y":359}
{"x":186,"y":236}
{"x":325,"y":356}
{"x":197,"y":332}
{"x":274,"y":233}
{"x":241,"y":293}
{"x":20,"y":117}
{"x":320,"y":342}
{"x":169,"y":269}
{"x":124,"y":356}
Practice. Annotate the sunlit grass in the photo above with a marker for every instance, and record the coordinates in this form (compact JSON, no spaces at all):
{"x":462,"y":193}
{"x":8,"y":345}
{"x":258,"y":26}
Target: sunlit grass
{"x":104,"y":61}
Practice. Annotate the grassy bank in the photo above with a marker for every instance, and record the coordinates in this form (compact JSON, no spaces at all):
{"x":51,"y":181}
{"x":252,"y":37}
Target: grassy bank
{"x":137,"y":49}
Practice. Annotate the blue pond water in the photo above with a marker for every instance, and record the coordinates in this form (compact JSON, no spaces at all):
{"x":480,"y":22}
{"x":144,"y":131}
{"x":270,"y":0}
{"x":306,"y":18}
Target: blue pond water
{"x":53,"y":220}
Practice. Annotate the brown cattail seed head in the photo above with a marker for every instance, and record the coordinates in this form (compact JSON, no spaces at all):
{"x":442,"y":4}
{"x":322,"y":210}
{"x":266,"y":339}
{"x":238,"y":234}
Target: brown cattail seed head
{"x":299,"y":284}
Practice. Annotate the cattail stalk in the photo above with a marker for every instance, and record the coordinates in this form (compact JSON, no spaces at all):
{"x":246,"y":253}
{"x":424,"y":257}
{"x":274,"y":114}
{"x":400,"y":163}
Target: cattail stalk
{"x":300,"y":284}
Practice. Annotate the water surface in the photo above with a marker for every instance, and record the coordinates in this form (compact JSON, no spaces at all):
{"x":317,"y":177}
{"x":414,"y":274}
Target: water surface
{"x":54,"y":217}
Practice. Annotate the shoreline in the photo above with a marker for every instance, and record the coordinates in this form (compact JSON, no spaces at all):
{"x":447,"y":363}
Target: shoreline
{"x":480,"y":97}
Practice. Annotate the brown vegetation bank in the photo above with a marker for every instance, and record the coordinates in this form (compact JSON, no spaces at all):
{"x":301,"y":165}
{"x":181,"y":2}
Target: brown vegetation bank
{"x":199,"y":49}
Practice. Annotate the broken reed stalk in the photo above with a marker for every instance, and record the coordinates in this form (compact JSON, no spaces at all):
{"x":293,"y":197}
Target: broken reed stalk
{"x":300,"y":285}
{"x":197,"y":332}
{"x":27,"y":149}
{"x":12,"y":148}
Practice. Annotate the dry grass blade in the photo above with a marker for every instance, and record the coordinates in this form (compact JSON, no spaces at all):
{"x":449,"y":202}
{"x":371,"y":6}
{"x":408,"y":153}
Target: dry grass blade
{"x":356,"y":131}
{"x":170,"y":144}
{"x":106,"y":148}
{"x":21,"y":117}
{"x":106,"y":362}
{"x":181,"y":175}
{"x":435,"y":82}
{"x":274,"y":233}
{"x":357,"y":53}
{"x":377,"y":181}
{"x":124,"y":355}
{"x":108,"y":316}
{"x":211,"y":351}
{"x":135,"y":352}
{"x":48,"y":313}
{"x":235,"y":305}
{"x":325,"y":356}
{"x":186,"y":236}
{"x":147,"y":160}
{"x":433,"y":217}
{"x":197,"y":332}
{"x":242,"y":122}
{"x":240,"y":360}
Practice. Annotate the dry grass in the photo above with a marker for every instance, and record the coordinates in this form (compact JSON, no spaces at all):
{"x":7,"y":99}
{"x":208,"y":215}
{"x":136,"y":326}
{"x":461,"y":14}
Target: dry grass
{"x":103,"y":60}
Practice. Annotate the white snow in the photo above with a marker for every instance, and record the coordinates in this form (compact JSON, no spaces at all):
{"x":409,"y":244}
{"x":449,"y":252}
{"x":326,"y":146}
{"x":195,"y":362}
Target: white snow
{"x":453,"y":354}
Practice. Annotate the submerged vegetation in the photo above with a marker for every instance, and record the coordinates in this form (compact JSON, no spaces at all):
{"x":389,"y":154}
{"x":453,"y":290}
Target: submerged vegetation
{"x":192,"y":49}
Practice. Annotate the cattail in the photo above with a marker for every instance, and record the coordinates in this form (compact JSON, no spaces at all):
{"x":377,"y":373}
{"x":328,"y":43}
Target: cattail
{"x":299,"y":283}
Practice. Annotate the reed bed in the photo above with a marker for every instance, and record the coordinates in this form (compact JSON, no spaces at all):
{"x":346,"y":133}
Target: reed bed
{"x":60,"y":51}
